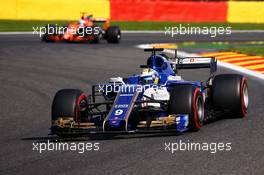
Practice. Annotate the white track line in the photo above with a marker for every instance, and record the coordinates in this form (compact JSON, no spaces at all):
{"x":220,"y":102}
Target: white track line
{"x":247,"y":31}
{"x":15,"y":33}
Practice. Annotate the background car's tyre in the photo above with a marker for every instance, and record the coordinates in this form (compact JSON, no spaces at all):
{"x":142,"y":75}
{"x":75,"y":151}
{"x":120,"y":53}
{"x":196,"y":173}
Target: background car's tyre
{"x":50,"y":30}
{"x":230,"y":92}
{"x":113,"y":34}
{"x":97,"y":34}
{"x":187,"y":99}
{"x":70,"y":103}
{"x":45,"y":38}
{"x":96,"y":39}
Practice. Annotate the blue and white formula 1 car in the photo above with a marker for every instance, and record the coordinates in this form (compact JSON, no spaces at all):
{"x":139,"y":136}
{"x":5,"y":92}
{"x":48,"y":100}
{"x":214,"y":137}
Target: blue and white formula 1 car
{"x":158,"y":99}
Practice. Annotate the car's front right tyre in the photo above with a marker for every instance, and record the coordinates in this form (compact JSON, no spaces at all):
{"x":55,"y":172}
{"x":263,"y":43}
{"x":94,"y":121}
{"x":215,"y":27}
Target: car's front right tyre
{"x":188,"y":99}
{"x":68,"y":104}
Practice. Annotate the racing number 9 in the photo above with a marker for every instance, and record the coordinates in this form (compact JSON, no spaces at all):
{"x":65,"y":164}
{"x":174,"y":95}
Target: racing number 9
{"x":118,"y":112}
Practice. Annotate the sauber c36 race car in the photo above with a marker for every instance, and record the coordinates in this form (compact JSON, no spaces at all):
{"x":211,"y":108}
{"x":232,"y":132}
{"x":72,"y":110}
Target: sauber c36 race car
{"x":87,"y":29}
{"x":156,"y":100}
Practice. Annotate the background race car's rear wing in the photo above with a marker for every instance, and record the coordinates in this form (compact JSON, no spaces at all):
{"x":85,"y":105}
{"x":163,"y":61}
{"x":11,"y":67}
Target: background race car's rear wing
{"x":100,"y":20}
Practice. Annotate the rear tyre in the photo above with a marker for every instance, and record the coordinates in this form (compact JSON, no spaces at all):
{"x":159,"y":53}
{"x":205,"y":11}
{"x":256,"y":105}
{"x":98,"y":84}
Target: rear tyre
{"x":188,"y":99}
{"x":230,"y":92}
{"x":70,"y":103}
{"x":113,"y":34}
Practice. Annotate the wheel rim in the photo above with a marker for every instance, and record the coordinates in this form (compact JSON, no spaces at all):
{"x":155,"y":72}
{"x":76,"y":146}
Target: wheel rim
{"x":83,"y":105}
{"x":245,"y":96}
{"x":118,"y":36}
{"x":200,"y":110}
{"x":80,"y":106}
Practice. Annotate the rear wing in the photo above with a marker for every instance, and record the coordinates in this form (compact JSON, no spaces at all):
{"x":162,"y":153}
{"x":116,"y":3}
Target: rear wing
{"x":195,"y":63}
{"x":100,"y":20}
{"x":186,"y":62}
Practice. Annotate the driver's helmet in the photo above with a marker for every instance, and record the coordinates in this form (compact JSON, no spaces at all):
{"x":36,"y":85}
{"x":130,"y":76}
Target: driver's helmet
{"x":149,"y":76}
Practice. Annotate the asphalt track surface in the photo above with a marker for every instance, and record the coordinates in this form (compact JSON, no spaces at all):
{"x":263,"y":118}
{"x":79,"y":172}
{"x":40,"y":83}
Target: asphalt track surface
{"x":32,"y":71}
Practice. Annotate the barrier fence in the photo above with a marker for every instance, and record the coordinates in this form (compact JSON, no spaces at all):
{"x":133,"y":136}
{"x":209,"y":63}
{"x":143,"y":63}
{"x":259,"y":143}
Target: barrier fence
{"x":52,"y":9}
{"x":136,"y":10}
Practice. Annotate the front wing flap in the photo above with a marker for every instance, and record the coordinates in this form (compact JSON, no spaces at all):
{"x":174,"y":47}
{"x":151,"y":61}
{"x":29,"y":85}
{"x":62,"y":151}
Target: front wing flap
{"x":172,"y":123}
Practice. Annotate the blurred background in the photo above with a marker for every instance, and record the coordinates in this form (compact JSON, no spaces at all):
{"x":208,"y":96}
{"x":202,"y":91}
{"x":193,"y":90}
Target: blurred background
{"x":246,"y":17}
{"x":21,"y":15}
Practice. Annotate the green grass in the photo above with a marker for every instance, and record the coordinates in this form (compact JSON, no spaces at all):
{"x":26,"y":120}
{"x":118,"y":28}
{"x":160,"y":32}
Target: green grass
{"x":256,"y":50}
{"x":249,"y":48}
{"x":27,"y":25}
{"x":162,"y":25}
{"x":12,"y":25}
